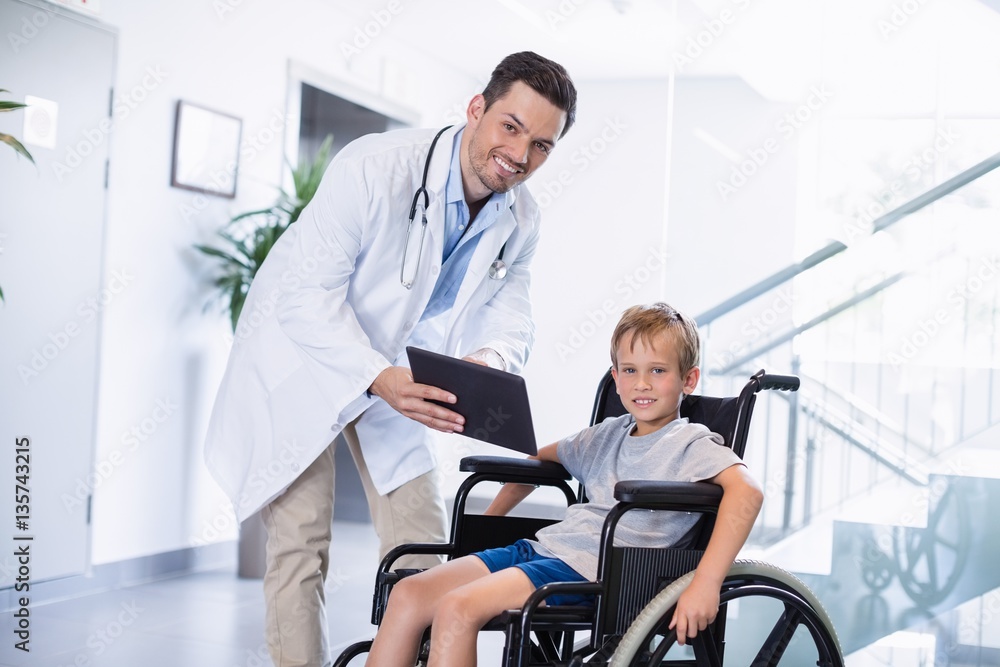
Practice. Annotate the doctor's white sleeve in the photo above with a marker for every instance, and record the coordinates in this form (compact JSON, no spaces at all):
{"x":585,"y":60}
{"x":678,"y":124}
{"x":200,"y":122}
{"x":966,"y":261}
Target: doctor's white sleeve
{"x":312,"y":306}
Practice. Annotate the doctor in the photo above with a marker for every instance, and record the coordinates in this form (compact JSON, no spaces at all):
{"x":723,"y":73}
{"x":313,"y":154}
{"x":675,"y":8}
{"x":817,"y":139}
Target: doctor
{"x":319,"y":348}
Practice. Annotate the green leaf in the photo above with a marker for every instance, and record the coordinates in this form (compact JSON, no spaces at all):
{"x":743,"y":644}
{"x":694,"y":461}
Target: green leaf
{"x":253,"y":234}
{"x":6,"y":105}
{"x":240,"y":245}
{"x":215,"y":252}
{"x":241,"y":216}
{"x":16,"y":145}
{"x":237,"y":299}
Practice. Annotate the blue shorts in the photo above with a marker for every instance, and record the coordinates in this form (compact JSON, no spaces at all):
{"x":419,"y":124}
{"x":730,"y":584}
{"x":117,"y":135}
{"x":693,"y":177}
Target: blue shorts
{"x":540,"y":569}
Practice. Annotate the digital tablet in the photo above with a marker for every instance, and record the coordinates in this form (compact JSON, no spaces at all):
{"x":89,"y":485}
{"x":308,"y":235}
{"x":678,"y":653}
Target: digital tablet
{"x":493,"y":402}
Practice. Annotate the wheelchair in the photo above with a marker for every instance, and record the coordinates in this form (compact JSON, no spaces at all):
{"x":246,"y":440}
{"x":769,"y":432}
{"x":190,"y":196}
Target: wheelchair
{"x":780,"y":621}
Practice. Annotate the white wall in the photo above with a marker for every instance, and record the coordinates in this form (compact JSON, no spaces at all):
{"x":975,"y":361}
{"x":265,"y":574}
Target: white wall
{"x":162,"y":355}
{"x":603,"y":246}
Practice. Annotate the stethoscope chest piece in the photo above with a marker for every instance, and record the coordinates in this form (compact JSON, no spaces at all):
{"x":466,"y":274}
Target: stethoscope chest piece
{"x":498,"y":269}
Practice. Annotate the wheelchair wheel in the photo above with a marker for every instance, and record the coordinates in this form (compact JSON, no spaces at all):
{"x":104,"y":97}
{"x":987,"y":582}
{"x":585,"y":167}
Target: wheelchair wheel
{"x":931,"y":560}
{"x":789,"y":625}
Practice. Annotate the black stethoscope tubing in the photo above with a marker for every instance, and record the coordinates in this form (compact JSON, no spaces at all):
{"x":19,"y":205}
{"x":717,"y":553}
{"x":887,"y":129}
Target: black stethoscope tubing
{"x":497,"y":270}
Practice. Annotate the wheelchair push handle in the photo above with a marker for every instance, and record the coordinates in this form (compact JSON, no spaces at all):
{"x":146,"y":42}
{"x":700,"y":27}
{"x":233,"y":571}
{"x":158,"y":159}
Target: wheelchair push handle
{"x":769,"y":381}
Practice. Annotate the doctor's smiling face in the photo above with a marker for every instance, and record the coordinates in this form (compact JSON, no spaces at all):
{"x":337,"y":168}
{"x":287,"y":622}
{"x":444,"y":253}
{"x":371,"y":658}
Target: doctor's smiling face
{"x":505,"y":143}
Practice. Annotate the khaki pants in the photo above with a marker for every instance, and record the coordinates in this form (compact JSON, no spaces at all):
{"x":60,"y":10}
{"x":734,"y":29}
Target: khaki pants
{"x":298,"y":525}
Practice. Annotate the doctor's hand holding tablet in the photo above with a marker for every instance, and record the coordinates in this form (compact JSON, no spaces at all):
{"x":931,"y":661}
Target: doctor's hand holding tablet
{"x":395,"y":386}
{"x":492,"y":404}
{"x":421,"y":402}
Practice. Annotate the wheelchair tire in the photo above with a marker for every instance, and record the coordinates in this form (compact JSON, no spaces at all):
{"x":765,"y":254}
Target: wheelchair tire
{"x":745,"y":579}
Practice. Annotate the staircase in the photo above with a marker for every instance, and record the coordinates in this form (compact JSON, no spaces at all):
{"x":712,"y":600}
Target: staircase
{"x":917,"y":553}
{"x":887,"y":461}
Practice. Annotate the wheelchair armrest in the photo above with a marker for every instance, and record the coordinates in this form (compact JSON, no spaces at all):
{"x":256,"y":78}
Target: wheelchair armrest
{"x":385,"y":578}
{"x":516,"y":468}
{"x":647,"y":492}
{"x":416,"y":548}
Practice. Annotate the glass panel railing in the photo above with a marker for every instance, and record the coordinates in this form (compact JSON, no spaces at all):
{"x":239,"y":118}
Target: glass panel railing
{"x":894,"y":336}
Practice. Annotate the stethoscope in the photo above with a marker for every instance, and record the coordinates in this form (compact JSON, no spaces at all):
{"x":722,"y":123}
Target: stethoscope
{"x":498,"y":269}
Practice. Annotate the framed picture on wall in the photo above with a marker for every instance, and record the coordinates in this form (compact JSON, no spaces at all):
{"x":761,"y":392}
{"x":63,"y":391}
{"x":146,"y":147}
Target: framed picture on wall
{"x":206,"y":150}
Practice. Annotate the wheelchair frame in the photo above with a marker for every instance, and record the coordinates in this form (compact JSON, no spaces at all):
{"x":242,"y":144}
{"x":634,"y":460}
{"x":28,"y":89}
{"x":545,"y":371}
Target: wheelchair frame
{"x":630,"y":612}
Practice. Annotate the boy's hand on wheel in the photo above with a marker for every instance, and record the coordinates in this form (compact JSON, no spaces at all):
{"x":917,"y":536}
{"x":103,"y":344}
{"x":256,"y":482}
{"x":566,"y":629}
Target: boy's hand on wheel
{"x":696,"y":609}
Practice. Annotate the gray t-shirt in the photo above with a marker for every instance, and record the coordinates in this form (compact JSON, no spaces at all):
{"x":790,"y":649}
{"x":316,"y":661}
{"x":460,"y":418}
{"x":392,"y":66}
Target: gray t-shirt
{"x":603,"y":455}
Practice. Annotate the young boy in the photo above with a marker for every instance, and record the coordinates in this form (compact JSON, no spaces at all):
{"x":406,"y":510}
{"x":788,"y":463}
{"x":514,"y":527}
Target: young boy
{"x":654,"y":355}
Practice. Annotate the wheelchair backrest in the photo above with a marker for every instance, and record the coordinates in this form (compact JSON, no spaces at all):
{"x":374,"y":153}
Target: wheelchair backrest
{"x":721,"y":415}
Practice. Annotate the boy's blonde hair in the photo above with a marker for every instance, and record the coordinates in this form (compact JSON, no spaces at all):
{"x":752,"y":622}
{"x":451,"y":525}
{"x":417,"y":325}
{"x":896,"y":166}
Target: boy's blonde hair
{"x":645,"y":323}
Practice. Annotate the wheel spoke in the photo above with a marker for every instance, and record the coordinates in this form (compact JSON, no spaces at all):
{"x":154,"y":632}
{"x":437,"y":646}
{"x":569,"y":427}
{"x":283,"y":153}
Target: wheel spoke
{"x":662,"y":648}
{"x":932,"y":569}
{"x":945,"y":543}
{"x":705,"y":651}
{"x":781,"y":634}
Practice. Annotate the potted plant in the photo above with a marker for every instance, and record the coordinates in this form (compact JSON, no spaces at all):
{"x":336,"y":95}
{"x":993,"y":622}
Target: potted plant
{"x":6,"y":105}
{"x":250,"y":236}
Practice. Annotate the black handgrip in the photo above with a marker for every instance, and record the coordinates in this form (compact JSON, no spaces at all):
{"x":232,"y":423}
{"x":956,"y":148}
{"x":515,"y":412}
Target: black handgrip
{"x":779,"y":382}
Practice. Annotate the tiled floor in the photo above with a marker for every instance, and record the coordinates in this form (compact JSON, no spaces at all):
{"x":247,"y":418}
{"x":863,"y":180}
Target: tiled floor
{"x":215,"y":619}
{"x":211,"y":619}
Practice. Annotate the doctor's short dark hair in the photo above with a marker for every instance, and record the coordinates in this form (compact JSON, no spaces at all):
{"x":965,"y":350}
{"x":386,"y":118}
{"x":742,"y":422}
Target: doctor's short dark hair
{"x":645,"y":323}
{"x":546,"y":77}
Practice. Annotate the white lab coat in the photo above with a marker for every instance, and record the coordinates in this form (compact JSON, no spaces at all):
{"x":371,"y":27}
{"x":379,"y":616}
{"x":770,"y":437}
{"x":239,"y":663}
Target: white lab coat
{"x":326,"y":314}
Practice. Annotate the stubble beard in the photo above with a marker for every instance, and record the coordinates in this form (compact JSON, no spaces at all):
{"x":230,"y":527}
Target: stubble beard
{"x":481,"y":160}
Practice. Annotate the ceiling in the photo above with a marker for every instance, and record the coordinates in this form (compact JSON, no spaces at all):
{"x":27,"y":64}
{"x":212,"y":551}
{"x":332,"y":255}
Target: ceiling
{"x":779,"y":47}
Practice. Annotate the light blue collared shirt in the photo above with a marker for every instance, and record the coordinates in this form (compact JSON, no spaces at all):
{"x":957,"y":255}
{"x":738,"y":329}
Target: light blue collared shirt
{"x":459,"y":244}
